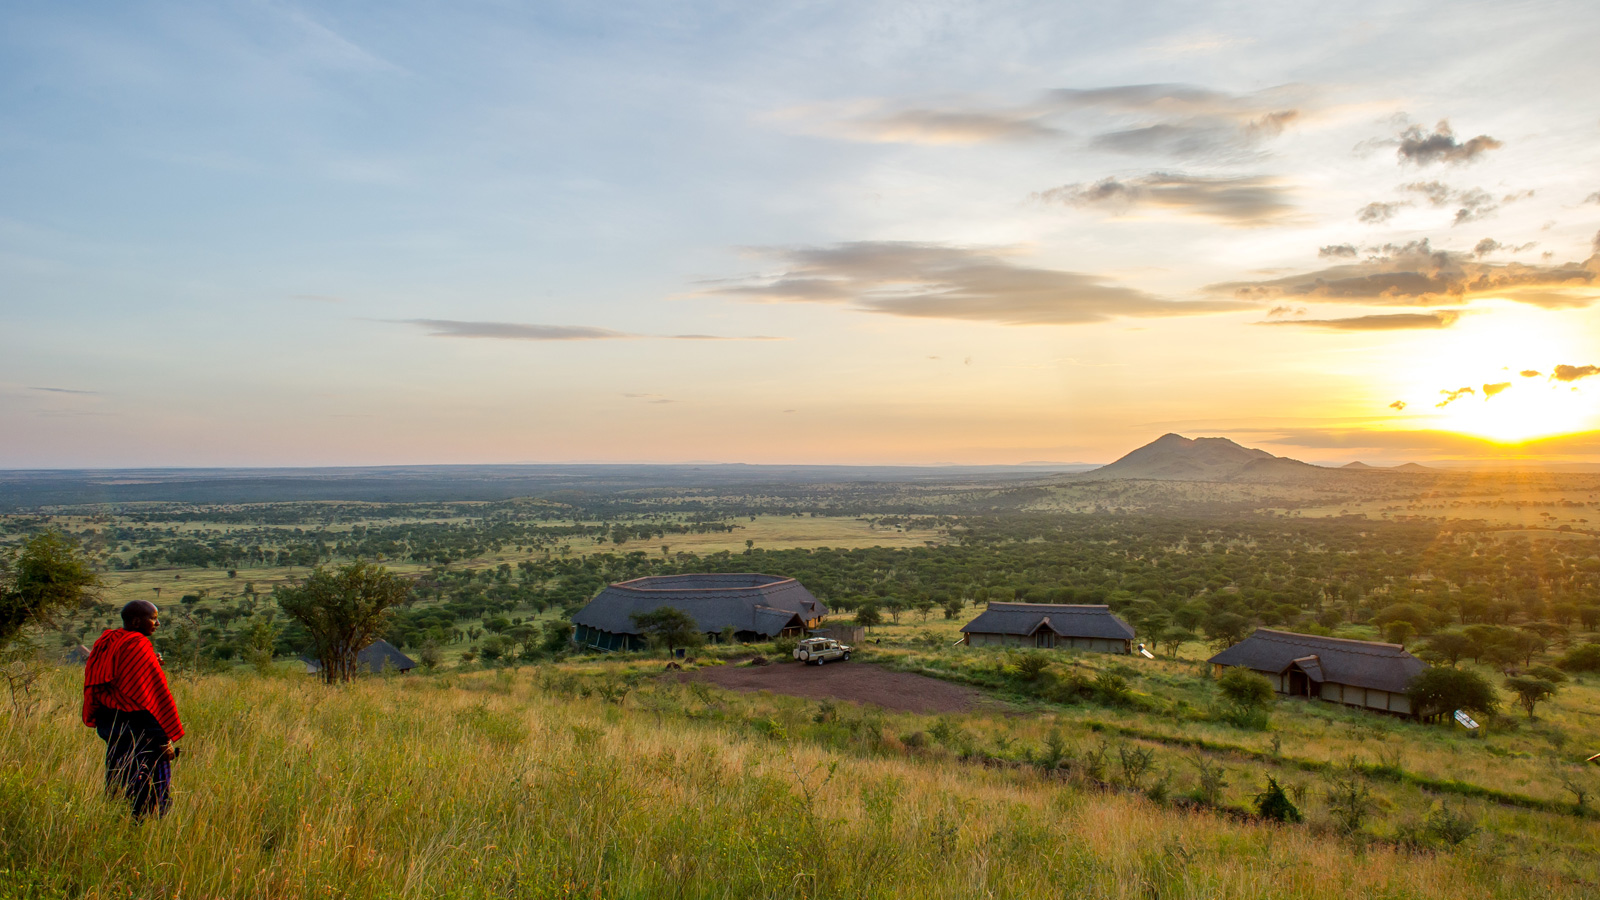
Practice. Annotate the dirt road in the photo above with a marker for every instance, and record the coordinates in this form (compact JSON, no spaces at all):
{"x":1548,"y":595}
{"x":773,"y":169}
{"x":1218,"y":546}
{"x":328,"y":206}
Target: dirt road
{"x":860,"y":682}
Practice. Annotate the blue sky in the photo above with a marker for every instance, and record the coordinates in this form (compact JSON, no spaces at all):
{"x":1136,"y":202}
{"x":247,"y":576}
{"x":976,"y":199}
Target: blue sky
{"x":266,"y":233}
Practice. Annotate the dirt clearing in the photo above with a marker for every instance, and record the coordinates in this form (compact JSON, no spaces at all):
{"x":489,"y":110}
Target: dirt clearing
{"x":860,"y":682}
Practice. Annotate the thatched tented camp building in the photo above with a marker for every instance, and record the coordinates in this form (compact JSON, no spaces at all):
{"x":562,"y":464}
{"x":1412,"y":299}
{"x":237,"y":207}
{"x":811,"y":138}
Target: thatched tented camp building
{"x":1051,"y":625}
{"x":372,"y":659}
{"x":1367,"y":674}
{"x":751,"y":606}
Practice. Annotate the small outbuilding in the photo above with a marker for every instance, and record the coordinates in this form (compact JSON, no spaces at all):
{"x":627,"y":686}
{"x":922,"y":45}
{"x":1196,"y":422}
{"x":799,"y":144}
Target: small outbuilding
{"x":754,"y":607}
{"x":371,"y":660}
{"x":1367,"y":674}
{"x":1050,"y":625}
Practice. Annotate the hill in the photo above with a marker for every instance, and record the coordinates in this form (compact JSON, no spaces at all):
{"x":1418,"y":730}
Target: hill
{"x":1173,"y":457}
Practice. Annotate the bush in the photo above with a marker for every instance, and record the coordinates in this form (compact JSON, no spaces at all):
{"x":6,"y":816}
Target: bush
{"x":1245,"y":688}
{"x":1031,"y":665}
{"x":1547,"y":673}
{"x":1441,"y":689}
{"x":783,"y":648}
{"x":1583,"y":658}
{"x":1274,"y":804}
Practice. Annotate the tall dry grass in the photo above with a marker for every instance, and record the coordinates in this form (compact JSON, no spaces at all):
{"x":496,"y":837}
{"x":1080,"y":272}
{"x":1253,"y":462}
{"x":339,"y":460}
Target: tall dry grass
{"x":483,"y":786}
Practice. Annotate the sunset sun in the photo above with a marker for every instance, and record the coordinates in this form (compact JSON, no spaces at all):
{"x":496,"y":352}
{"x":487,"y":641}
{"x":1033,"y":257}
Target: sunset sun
{"x":1496,"y":377}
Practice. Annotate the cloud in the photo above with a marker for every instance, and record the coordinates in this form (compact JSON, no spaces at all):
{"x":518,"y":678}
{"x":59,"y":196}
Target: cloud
{"x":936,"y":126}
{"x":1377,"y":213}
{"x":1337,"y":251}
{"x":1437,"y":193}
{"x":1423,"y":148}
{"x":1489,"y":390}
{"x":1415,"y":274}
{"x":515,"y":331}
{"x":1592,"y":198}
{"x":1530,"y":373}
{"x":1452,"y":396}
{"x":1475,"y":203}
{"x":1398,"y":405}
{"x":1176,"y":120}
{"x":62,"y":390}
{"x":1573,"y":373}
{"x":1443,"y":318}
{"x":1243,"y":200}
{"x":921,"y":280}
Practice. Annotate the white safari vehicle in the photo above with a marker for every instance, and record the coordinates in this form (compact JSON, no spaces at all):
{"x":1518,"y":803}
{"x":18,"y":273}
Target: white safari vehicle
{"x":820,"y":650}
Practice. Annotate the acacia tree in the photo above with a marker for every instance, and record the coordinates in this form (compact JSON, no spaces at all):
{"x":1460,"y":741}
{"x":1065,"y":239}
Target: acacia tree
{"x":669,"y":627}
{"x":1441,"y":689}
{"x":44,"y":577}
{"x":1530,"y":691}
{"x":343,"y":610}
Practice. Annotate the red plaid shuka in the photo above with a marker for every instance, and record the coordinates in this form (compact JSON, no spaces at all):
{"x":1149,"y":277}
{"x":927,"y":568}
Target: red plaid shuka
{"x":124,"y":673}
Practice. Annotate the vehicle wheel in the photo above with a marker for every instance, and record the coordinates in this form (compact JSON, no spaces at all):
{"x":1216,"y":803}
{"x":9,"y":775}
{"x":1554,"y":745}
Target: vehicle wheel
{"x":804,"y":656}
{"x":845,"y":657}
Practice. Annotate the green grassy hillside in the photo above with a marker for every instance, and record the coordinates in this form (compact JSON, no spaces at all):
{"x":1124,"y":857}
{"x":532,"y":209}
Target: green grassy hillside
{"x":599,"y":780}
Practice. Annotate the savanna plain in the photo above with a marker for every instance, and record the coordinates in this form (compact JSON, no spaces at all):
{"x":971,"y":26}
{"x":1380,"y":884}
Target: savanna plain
{"x":511,"y":764}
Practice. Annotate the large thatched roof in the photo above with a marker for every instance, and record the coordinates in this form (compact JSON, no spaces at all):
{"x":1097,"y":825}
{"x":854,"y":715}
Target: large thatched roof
{"x":1066,"y":620}
{"x":1367,"y":664}
{"x":749,"y":602}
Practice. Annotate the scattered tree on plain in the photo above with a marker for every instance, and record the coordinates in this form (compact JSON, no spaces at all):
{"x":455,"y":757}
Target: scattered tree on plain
{"x":343,"y":611}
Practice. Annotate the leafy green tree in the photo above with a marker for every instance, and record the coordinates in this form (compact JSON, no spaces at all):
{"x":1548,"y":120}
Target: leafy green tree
{"x":1530,"y":691}
{"x":868,"y":616}
{"x":669,"y":627}
{"x":260,"y":642}
{"x":1224,"y":629}
{"x":1441,"y":689}
{"x":1450,"y":646}
{"x":343,"y":611}
{"x":42,"y":578}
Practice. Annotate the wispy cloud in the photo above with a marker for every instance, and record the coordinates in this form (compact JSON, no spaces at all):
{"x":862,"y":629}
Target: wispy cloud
{"x":62,"y":390}
{"x":1246,"y":201}
{"x":1490,"y":390}
{"x":1415,"y":274}
{"x":1452,"y":396}
{"x":939,"y":281}
{"x":1376,"y":213}
{"x":517,"y":331}
{"x":1442,"y":318}
{"x":1172,"y":120}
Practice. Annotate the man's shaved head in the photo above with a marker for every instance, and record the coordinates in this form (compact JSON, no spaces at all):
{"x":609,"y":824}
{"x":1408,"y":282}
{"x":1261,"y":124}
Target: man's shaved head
{"x":137,"y":613}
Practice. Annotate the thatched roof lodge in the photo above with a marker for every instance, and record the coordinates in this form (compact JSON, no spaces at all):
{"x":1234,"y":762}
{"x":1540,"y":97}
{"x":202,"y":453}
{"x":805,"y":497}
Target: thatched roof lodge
{"x":1367,"y":674}
{"x":756,"y":607}
{"x":372,"y":659}
{"x":1050,"y":625}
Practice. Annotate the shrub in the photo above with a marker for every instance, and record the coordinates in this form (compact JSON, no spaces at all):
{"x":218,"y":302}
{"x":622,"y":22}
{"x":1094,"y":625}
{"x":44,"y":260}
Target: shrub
{"x":1245,"y":688}
{"x":1548,"y":673}
{"x":1031,"y":665}
{"x":1583,"y":658}
{"x":1272,"y":803}
{"x":1442,"y":689}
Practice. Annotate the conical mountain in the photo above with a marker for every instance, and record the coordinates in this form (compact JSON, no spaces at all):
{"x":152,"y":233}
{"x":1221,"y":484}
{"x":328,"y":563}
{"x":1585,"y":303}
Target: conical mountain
{"x":1173,"y":457}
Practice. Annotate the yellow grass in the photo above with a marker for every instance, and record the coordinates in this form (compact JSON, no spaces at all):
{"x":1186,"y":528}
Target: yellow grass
{"x":483,"y":785}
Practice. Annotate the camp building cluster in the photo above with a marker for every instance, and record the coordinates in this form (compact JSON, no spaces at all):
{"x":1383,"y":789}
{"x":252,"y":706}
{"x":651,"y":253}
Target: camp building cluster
{"x":749,"y":607}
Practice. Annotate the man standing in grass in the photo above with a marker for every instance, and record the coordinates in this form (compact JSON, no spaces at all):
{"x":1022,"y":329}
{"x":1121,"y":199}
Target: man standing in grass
{"x":126,"y":700}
